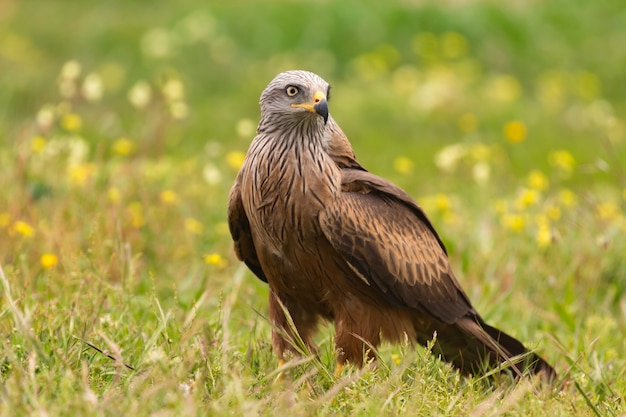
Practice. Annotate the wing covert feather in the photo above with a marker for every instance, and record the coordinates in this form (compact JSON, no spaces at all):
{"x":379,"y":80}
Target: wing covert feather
{"x":240,"y":231}
{"x":388,"y":241}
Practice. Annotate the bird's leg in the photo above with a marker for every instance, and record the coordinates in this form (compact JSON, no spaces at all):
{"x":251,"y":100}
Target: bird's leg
{"x":338,"y":369}
{"x":293,"y":328}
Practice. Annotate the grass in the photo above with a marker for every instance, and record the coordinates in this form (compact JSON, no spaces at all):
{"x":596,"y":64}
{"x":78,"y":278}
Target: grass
{"x":122,"y":127}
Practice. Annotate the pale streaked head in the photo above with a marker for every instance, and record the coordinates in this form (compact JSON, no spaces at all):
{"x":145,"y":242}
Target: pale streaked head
{"x":295,"y":95}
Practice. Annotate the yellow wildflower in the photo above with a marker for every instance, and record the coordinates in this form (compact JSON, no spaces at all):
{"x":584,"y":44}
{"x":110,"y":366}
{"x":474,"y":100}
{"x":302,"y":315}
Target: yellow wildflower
{"x":562,"y":160}
{"x":215,"y":259}
{"x":403,"y":165}
{"x":504,"y":89}
{"x":49,"y":260}
{"x":526,"y":198}
{"x":80,"y":174}
{"x":468,"y":122}
{"x":567,"y":198}
{"x":193,"y":226}
{"x":245,"y":128}
{"x":71,"y":122}
{"x":537,"y":180}
{"x":514,"y":222}
{"x":442,"y":202}
{"x":608,"y":211}
{"x":168,"y":197}
{"x":515,"y":131}
{"x":453,"y":45}
{"x":396,"y":358}
{"x":554,"y":212}
{"x":235,"y":159}
{"x":37,"y":144}
{"x":501,"y":206}
{"x":544,"y":236}
{"x":114,"y":195}
{"x":23,"y":228}
{"x":135,"y":210}
{"x":123,"y":147}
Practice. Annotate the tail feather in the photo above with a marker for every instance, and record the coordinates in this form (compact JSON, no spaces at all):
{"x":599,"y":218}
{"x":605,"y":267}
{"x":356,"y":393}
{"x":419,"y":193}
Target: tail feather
{"x":471,"y":345}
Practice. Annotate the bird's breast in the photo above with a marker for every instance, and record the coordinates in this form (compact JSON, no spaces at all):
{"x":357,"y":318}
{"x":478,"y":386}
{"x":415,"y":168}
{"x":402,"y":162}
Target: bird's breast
{"x":286,"y":189}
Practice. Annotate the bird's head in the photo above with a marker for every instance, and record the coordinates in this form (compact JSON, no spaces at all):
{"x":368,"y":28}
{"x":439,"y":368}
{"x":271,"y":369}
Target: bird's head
{"x":295,"y":95}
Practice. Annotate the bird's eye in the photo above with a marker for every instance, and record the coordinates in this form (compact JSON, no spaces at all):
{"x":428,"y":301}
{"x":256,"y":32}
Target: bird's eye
{"x":292,"y":91}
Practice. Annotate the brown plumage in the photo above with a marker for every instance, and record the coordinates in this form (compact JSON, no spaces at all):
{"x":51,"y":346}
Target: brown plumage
{"x":336,"y":242}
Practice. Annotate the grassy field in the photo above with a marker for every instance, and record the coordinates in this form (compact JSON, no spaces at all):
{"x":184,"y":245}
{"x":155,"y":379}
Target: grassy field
{"x":123,"y":124}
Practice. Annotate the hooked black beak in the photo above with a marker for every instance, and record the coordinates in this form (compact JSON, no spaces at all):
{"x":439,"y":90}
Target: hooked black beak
{"x":321,"y":108}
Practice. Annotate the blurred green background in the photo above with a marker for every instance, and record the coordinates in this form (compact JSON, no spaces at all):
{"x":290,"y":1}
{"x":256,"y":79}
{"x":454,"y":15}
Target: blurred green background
{"x":403,"y":72}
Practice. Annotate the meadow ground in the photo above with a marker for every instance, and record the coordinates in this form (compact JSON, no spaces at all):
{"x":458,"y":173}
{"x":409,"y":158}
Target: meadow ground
{"x":122,"y":125}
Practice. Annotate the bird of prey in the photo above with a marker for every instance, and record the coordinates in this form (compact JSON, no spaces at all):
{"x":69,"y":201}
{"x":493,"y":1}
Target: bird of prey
{"x":335,"y":242}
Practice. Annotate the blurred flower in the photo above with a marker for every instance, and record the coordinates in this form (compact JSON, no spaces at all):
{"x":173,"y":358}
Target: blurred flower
{"x":5,"y":219}
{"x":37,"y":144}
{"x":526,"y":198}
{"x":426,"y":46}
{"x":501,"y":206}
{"x":45,"y":117}
{"x":49,"y":260}
{"x":80,"y":174}
{"x":215,"y":259}
{"x":567,"y":198}
{"x":140,"y":94}
{"x":245,"y":128}
{"x":92,"y":87}
{"x":537,"y":180}
{"x":449,"y":157}
{"x":173,"y":90}
{"x":396,"y":358}
{"x":372,"y":65}
{"x":179,"y":110}
{"x":551,"y":89}
{"x":481,"y":172}
{"x":114,"y":195}
{"x":608,"y":211}
{"x":135,"y":210}
{"x":553,"y":212}
{"x":168,"y":197}
{"x":587,"y":85}
{"x":71,"y":70}
{"x":71,"y":122}
{"x":562,"y":160}
{"x":515,"y":131}
{"x":22,"y":228}
{"x":157,"y":43}
{"x":514,"y":222}
{"x":235,"y":159}
{"x":453,"y":45}
{"x":480,"y":152}
{"x":212,"y":174}
{"x":468,"y":122}
{"x":123,"y":146}
{"x":504,"y":89}
{"x":403,"y":165}
{"x":193,"y":226}
{"x":544,"y":235}
{"x":155,"y":355}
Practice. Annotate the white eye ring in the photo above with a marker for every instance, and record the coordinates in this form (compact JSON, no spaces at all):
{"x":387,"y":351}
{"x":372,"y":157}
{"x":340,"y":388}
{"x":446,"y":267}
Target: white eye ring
{"x":292,"y":91}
